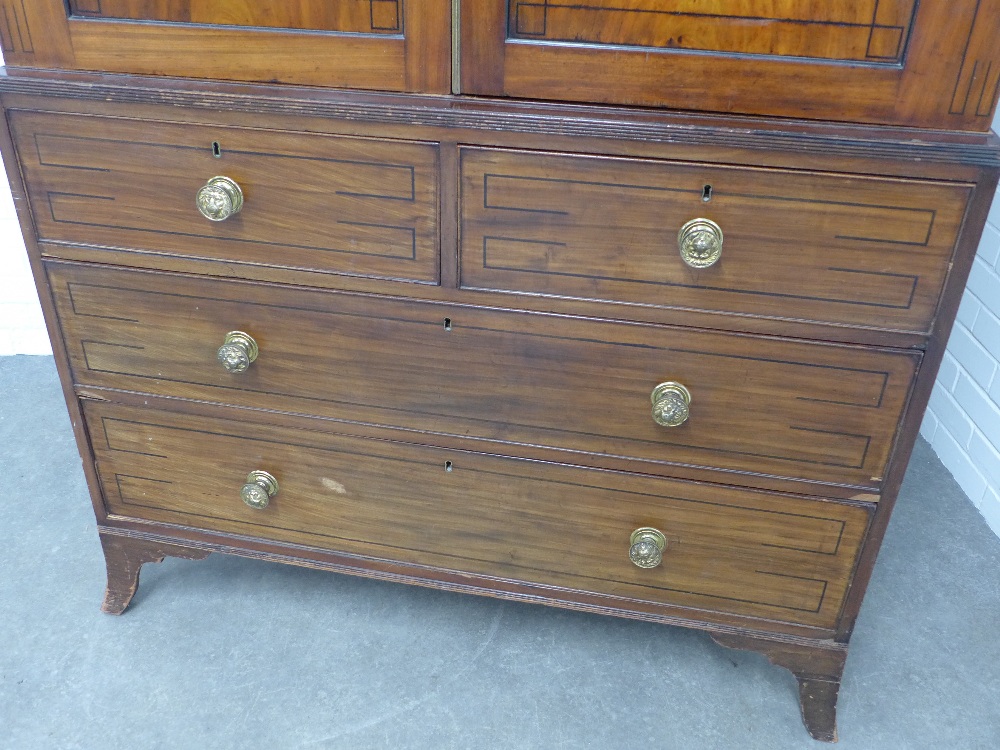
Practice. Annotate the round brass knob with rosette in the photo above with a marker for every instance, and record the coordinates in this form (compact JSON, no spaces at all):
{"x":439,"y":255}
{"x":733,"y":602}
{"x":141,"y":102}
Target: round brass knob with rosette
{"x":647,"y":545}
{"x":671,"y":404}
{"x":259,"y":489}
{"x":238,"y":352}
{"x":700,"y":243}
{"x":220,"y":199}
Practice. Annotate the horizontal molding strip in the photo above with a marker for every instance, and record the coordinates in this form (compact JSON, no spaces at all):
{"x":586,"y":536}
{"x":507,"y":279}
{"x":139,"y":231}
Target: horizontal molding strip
{"x":539,"y":118}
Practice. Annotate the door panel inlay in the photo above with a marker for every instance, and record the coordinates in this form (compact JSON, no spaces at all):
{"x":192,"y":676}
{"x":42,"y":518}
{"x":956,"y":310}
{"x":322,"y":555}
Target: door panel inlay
{"x":870,"y":31}
{"x":357,"y":16}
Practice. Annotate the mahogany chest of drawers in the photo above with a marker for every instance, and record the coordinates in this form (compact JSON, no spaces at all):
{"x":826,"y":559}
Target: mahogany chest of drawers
{"x":630,"y":308}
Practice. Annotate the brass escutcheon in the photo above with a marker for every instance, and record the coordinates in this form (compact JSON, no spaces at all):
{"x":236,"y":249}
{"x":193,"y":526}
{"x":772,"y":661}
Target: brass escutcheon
{"x":647,"y":545}
{"x":220,"y":199}
{"x":671,"y":404}
{"x":237,"y":352}
{"x":259,"y":489}
{"x":700,"y":243}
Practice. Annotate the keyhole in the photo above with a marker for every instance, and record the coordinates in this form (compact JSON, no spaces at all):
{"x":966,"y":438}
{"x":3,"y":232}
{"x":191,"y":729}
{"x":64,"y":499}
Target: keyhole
{"x":706,"y":193}
{"x":216,"y":150}
{"x":447,"y":324}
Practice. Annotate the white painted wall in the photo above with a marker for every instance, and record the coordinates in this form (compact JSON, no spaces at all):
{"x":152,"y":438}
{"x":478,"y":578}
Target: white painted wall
{"x":22,"y":330}
{"x":962,"y":423}
{"x":963,"y":420}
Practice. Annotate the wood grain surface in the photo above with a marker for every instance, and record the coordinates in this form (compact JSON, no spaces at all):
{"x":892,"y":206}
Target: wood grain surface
{"x":384,"y":45}
{"x":741,"y":552}
{"x":763,"y":406}
{"x":356,"y":206}
{"x":865,"y":31}
{"x":933,"y":64}
{"x":930,"y":64}
{"x":358,"y":16}
{"x":844,"y":249}
{"x":486,"y":427}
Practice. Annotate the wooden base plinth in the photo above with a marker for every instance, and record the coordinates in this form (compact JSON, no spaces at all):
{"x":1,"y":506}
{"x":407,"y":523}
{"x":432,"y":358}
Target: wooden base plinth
{"x":125,"y":556}
{"x":818,"y":670}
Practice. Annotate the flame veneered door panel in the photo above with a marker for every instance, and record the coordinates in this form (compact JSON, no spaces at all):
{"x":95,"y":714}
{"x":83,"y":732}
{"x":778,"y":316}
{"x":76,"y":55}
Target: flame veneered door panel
{"x":933,"y":64}
{"x":387,"y":45}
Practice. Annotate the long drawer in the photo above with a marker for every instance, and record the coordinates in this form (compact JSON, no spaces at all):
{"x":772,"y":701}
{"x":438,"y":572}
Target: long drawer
{"x":727,"y":550}
{"x":763,"y":406}
{"x":841,"y":249}
{"x":356,"y":206}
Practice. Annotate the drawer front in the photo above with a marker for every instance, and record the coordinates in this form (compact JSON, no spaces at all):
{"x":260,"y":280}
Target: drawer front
{"x":741,"y":552}
{"x":846,"y":250}
{"x":330,"y":204}
{"x":769,"y":407}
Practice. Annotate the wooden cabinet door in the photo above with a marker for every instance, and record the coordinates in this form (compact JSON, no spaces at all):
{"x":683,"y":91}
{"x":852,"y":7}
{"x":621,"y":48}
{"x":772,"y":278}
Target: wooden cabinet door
{"x":389,"y":45}
{"x":933,"y":63}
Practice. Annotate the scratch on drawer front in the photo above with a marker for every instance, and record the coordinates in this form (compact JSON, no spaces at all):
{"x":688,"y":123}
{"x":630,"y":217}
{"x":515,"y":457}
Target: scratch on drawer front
{"x":332,"y":484}
{"x":83,"y":393}
{"x":866,"y":497}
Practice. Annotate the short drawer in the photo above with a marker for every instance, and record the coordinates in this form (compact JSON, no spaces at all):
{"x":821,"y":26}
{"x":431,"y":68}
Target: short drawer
{"x":338,"y":205}
{"x":522,"y":381}
{"x":733,"y":551}
{"x":828,"y":248}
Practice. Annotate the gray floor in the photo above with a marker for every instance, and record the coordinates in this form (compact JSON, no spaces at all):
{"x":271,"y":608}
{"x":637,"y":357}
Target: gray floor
{"x":234,"y":653}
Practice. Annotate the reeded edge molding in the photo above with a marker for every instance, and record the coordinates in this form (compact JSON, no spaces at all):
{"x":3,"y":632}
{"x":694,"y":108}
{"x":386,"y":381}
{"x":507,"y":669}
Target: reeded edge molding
{"x":538,"y":118}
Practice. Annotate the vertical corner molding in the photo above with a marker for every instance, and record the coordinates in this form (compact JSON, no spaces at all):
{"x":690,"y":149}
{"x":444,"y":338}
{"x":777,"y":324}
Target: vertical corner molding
{"x":35,"y":33}
{"x":978,"y":83}
{"x":456,"y":46}
{"x":15,"y":29}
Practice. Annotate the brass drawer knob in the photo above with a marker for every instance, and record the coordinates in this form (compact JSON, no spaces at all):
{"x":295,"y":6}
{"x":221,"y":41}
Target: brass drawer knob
{"x":647,"y":547}
{"x":700,"y":242}
{"x":238,"y":352}
{"x":220,"y":199}
{"x":259,"y":489}
{"x":671,"y":404}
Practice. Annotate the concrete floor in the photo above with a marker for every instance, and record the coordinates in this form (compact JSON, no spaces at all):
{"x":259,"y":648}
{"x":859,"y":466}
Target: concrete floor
{"x":233,"y":653}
